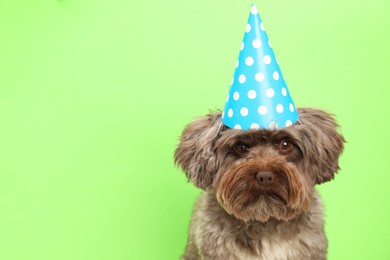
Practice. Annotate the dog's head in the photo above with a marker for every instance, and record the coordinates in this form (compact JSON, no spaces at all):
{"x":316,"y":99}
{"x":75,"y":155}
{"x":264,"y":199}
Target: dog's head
{"x":258,"y":174}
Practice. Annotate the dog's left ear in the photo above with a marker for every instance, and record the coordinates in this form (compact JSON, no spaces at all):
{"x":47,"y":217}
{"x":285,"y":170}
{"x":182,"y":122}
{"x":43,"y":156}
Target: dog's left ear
{"x":195,"y":153}
{"x":325,"y":142}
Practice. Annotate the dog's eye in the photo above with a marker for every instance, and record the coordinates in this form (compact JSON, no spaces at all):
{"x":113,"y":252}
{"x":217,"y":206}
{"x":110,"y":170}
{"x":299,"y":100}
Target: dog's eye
{"x":240,"y":148}
{"x":285,"y":146}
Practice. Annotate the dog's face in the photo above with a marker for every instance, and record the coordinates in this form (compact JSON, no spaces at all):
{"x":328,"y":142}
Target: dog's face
{"x":259,"y":174}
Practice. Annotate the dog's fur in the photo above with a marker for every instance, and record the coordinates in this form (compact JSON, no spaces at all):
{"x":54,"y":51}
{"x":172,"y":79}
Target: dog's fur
{"x":238,"y":218}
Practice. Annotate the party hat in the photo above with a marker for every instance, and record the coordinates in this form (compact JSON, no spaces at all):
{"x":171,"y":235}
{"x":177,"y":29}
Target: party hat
{"x":258,"y":96}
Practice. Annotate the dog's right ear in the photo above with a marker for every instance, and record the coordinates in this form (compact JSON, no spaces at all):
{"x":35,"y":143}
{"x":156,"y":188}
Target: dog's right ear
{"x":195,"y":153}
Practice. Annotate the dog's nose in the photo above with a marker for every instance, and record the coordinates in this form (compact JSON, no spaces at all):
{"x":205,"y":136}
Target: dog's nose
{"x":265,"y":178}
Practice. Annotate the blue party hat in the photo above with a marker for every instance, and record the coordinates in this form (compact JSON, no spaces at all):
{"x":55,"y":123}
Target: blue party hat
{"x":258,"y":96}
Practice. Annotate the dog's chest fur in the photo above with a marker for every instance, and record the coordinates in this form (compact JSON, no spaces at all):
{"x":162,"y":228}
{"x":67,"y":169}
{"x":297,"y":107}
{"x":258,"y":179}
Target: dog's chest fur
{"x":216,"y":235}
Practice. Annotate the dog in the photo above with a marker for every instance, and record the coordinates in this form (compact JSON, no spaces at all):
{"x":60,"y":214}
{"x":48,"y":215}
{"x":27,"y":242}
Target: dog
{"x":259,"y":199}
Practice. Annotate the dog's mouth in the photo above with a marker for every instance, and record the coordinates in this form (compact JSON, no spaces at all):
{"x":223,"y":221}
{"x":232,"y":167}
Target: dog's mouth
{"x":268,"y":196}
{"x":275,"y":197}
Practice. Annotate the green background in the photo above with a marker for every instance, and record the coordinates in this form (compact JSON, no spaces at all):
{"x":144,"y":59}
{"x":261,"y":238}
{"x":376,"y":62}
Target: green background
{"x":93,"y":95}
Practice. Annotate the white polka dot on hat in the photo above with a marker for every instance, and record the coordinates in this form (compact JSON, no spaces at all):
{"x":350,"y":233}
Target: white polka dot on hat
{"x":259,"y":97}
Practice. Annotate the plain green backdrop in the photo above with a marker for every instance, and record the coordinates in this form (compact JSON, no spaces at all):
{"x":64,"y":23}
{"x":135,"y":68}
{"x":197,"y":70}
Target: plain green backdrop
{"x":93,"y":95}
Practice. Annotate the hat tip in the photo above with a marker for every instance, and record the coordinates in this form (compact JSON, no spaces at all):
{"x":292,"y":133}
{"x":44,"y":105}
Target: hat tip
{"x":254,"y":9}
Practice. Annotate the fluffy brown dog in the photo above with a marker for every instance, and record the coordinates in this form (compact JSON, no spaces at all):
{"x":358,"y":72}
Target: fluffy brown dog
{"x":259,"y":200}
